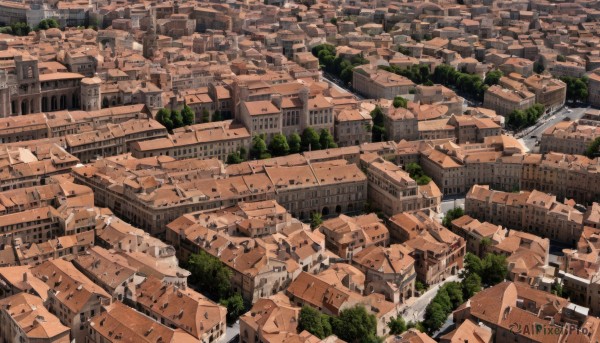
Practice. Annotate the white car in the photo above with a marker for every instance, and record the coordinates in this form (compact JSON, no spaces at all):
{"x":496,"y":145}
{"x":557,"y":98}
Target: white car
{"x":569,"y":110}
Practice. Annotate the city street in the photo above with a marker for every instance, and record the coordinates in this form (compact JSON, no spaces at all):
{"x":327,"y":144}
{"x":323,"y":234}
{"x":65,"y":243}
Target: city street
{"x":338,"y":84}
{"x":532,"y":135}
{"x":231,"y":332}
{"x":415,"y":307}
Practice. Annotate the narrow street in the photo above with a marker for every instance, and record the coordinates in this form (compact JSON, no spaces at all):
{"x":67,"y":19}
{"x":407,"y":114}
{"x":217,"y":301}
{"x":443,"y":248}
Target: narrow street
{"x":415,"y":307}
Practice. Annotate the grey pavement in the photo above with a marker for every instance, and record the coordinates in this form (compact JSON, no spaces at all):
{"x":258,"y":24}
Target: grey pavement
{"x":414,"y":308}
{"x":532,"y":135}
{"x":231,"y":332}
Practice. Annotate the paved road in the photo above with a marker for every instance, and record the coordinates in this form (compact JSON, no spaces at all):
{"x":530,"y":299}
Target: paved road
{"x":533,"y":135}
{"x":231,"y":332}
{"x":415,"y":307}
{"x":338,"y":84}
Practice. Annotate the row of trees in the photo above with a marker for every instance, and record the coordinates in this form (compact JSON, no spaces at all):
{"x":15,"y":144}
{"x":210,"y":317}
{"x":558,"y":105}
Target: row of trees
{"x":211,"y":277}
{"x":337,"y":65}
{"x":378,"y":133}
{"x":448,"y":76}
{"x":281,"y":145}
{"x":353,"y":325}
{"x":172,"y":119}
{"x":519,"y":119}
{"x":447,"y":299}
{"x":22,"y":29}
{"x":490,"y":271}
{"x":416,"y":173}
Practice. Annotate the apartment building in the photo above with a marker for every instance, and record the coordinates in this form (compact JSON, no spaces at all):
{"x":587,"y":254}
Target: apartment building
{"x":113,"y":139}
{"x":37,"y":126}
{"x":72,"y":297}
{"x":439,"y":95}
{"x":23,"y":318}
{"x":475,"y":233}
{"x":274,"y":319}
{"x":391,"y":189}
{"x":401,"y":124}
{"x":28,"y":166}
{"x":182,"y":308}
{"x":377,"y":83}
{"x":108,"y":270}
{"x":504,"y":101}
{"x":566,"y":176}
{"x":534,"y":212}
{"x":352,"y":127}
{"x":568,"y":137}
{"x":330,"y":296}
{"x":346,"y":236}
{"x":260,"y":266}
{"x":594,"y":89}
{"x":118,"y":322}
{"x":388,"y":270}
{"x":579,"y":271}
{"x":438,"y":253}
{"x":208,"y":140}
{"x":548,"y":91}
{"x":65,"y":247}
{"x":499,"y":306}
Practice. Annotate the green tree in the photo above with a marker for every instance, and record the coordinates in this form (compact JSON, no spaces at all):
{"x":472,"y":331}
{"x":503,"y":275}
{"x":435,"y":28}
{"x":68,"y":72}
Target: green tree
{"x":396,"y":325}
{"x":443,"y":298}
{"x":326,"y":140}
{"x":314,"y":322}
{"x":163,"y":116}
{"x":400,"y":102}
{"x":20,"y":29}
{"x":355,"y":325}
{"x":188,"y":115}
{"x":455,"y":293}
{"x":310,"y":140}
{"x":234,"y":158}
{"x":561,"y":58}
{"x":205,"y":118}
{"x":495,"y":267}
{"x":452,"y":214}
{"x":177,"y":118}
{"x":435,"y":316}
{"x":493,"y":77}
{"x":414,"y":169}
{"x":471,"y":285}
{"x":46,"y":24}
{"x":259,"y":148}
{"x":419,"y":286}
{"x":6,"y":30}
{"x":378,"y":129}
{"x":217,"y":116}
{"x":423,"y":180}
{"x":235,"y":307}
{"x":316,"y":219}
{"x":279,"y":145}
{"x":557,"y":288}
{"x":577,"y":88}
{"x":295,"y":143}
{"x":517,"y":119}
{"x":593,"y":149}
{"x":473,"y":264}
{"x":416,"y":325}
{"x":210,"y":275}
{"x":538,"y":66}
